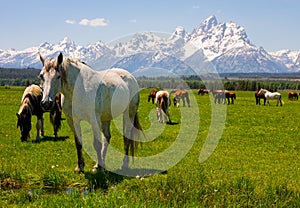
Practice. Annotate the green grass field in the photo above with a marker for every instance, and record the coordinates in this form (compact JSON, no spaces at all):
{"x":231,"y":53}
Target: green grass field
{"x":255,"y":164}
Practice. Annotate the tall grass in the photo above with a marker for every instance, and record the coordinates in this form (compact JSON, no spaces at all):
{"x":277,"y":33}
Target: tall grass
{"x":256,"y":163}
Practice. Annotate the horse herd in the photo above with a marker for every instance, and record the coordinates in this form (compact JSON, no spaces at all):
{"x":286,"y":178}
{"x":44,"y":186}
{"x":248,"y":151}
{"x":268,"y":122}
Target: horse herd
{"x":97,"y":97}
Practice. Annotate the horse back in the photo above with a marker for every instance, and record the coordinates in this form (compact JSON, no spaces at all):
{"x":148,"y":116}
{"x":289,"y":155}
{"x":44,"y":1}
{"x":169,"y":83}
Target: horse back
{"x":33,"y":96}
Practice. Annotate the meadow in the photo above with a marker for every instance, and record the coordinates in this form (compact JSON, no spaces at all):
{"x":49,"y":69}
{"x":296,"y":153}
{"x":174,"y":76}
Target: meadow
{"x":256,"y":162}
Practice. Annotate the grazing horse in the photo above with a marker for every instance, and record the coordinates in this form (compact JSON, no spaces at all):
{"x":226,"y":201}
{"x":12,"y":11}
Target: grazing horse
{"x":96,"y":97}
{"x":222,"y":95}
{"x":181,"y":94}
{"x":293,"y":96}
{"x":230,"y":96}
{"x":151,"y":96}
{"x":271,"y":96}
{"x":219,"y":96}
{"x":163,"y":102}
{"x":30,"y":105}
{"x":258,"y":97}
{"x":203,"y":91}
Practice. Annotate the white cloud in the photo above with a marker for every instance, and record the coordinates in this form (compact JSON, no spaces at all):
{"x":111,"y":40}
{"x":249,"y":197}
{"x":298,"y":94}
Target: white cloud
{"x":133,"y":21}
{"x":71,"y":22}
{"x":98,"y":22}
{"x":196,"y":7}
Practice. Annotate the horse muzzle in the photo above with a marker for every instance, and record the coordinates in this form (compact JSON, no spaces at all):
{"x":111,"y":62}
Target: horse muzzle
{"x":47,"y":104}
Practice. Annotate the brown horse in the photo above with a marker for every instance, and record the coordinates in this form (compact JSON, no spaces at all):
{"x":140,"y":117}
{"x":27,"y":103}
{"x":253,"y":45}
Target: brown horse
{"x":258,"y":97}
{"x":181,"y":94}
{"x":203,"y":91}
{"x":293,"y":96}
{"x":31,"y":105}
{"x":230,"y":96}
{"x":151,"y":96}
{"x":162,"y":101}
{"x":221,"y":96}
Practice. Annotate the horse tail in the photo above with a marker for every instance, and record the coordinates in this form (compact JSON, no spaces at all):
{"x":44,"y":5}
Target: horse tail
{"x":281,"y":100}
{"x":164,"y":103}
{"x":187,"y":99}
{"x":136,"y":135}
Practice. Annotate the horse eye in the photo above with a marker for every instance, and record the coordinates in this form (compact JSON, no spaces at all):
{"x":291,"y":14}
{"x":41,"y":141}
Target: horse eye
{"x":58,"y":77}
{"x":41,"y":77}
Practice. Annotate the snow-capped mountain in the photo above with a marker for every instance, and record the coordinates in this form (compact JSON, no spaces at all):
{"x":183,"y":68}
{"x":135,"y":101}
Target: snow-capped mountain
{"x":211,"y":47}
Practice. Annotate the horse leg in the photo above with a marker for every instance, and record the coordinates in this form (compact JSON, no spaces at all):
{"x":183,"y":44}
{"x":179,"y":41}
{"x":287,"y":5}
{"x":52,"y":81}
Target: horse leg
{"x":39,"y":127}
{"x":183,"y":100}
{"x":105,"y":141}
{"x":188,"y":101}
{"x":158,"y":114}
{"x":127,"y":127}
{"x":168,"y":115}
{"x":75,"y":127}
{"x":98,"y":145}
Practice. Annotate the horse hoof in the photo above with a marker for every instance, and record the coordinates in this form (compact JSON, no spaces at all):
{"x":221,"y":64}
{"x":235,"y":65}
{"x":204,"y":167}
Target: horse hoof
{"x":78,"y":170}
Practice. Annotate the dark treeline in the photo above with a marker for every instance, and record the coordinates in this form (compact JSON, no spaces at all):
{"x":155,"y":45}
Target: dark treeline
{"x":18,"y":77}
{"x":244,"y":82}
{"x":236,"y":84}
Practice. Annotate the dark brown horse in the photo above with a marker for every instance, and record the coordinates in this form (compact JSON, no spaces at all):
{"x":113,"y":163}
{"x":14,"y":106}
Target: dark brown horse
{"x":258,"y":97}
{"x":31,"y":105}
{"x":181,"y":94}
{"x":230,"y":96}
{"x":203,"y":91}
{"x":151,"y":96}
{"x":293,"y":96}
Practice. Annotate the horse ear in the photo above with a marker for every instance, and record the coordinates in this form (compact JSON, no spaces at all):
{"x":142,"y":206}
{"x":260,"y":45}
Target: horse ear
{"x":42,"y":59}
{"x":60,"y":59}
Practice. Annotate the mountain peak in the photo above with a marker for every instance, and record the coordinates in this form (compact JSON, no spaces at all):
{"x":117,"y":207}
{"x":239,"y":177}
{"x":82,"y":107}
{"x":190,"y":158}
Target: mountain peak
{"x":67,"y":41}
{"x":179,"y":33}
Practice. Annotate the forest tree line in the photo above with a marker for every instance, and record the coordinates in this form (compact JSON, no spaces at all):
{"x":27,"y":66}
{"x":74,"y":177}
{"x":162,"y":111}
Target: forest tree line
{"x":25,"y":77}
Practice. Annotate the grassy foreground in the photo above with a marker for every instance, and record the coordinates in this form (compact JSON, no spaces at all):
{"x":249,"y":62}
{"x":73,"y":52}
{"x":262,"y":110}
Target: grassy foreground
{"x":256,"y":162}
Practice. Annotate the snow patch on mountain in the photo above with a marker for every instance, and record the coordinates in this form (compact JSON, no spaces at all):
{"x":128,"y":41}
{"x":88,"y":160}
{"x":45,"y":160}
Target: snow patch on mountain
{"x":211,"y":47}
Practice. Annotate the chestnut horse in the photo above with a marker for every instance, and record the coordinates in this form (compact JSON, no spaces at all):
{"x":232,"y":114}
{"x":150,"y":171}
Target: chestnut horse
{"x":203,"y":91}
{"x":293,"y":96}
{"x":151,"y":96}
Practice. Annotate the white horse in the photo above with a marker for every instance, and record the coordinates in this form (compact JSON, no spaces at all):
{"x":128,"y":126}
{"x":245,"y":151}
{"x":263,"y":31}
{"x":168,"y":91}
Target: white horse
{"x":271,"y":96}
{"x":96,"y":97}
{"x":162,"y":100}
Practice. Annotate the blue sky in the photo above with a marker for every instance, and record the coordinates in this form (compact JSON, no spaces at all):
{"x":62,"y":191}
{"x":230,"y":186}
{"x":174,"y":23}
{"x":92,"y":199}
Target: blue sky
{"x":272,"y":24}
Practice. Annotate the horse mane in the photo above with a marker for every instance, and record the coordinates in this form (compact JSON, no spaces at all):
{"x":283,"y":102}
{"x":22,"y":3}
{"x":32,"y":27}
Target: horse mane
{"x":26,"y":106}
{"x":31,"y":95}
{"x":32,"y":91}
{"x":67,"y":61}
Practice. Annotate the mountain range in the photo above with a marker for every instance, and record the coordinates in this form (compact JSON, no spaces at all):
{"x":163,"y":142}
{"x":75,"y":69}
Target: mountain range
{"x":211,"y":47}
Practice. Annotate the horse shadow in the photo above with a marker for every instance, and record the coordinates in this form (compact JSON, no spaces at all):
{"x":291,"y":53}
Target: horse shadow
{"x":52,"y":139}
{"x":104,"y":179}
{"x":172,"y":123}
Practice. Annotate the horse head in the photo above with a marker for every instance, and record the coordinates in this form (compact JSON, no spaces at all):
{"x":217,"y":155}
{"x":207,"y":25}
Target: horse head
{"x":261,"y":92}
{"x":24,"y":122}
{"x":50,"y":76}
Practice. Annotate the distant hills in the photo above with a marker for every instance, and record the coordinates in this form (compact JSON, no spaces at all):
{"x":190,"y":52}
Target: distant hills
{"x":211,"y":47}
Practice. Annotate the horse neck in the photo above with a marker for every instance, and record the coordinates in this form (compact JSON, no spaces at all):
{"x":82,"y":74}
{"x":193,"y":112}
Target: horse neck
{"x":68,"y":80}
{"x":26,"y":105}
